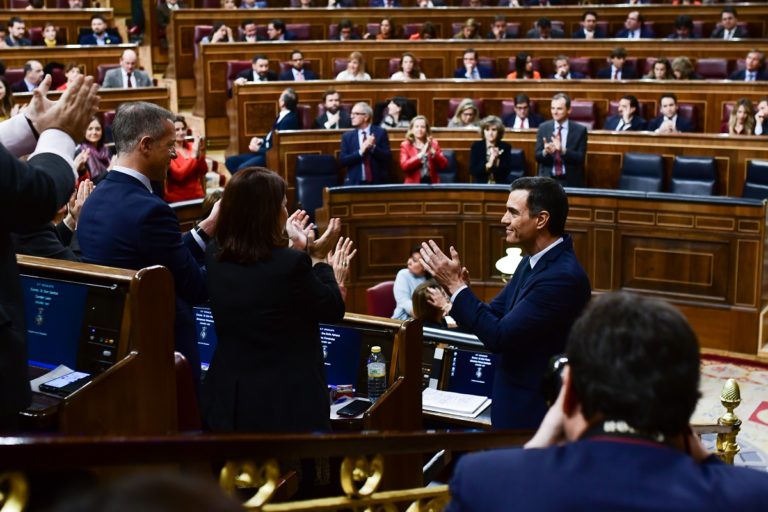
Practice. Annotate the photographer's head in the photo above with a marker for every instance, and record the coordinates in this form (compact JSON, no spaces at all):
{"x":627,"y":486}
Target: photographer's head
{"x":634,"y":359}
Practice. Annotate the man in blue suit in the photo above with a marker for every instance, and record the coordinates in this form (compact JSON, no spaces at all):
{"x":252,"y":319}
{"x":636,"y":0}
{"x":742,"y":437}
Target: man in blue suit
{"x":298,"y":71}
{"x":618,"y":435}
{"x":589,"y":28}
{"x":561,"y":144}
{"x":100,"y":34}
{"x":365,"y":150}
{"x":754,"y":68}
{"x":669,"y":121}
{"x":472,"y":70}
{"x":123,"y":224}
{"x":634,"y":28}
{"x":563,"y":69}
{"x":628,"y":120}
{"x":523,"y":118}
{"x":528,"y":322}
{"x":287,"y":119}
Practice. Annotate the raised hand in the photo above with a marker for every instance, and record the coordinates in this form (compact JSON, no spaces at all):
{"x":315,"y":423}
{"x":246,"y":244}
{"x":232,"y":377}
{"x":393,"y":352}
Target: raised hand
{"x":340,"y":259}
{"x":71,"y":113}
{"x":298,"y":229}
{"x":447,"y":271}
{"x":319,"y":249}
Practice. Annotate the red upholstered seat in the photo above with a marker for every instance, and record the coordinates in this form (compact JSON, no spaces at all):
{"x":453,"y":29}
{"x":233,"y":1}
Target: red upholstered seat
{"x":613,"y":109}
{"x":299,"y":30}
{"x":584,"y":112}
{"x":508,"y":107}
{"x":689,"y":112}
{"x":453,"y":104}
{"x":713,"y":69}
{"x":233,"y":68}
{"x":381,"y":299}
{"x":101,"y":71}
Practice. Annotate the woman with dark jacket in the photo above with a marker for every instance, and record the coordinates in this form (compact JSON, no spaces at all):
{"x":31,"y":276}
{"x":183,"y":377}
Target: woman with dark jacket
{"x":489,"y":158}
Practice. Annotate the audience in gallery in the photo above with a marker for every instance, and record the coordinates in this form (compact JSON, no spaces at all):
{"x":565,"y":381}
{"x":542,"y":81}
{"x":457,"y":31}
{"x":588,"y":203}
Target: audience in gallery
{"x":287,"y":119}
{"x":523,"y":117}
{"x":7,"y":109}
{"x":187,"y":171}
{"x":128,"y":75}
{"x":409,"y":69}
{"x":270,"y":340}
{"x":470,"y":30}
{"x":299,"y":71}
{"x":500,"y":29}
{"x":668,"y":120}
{"x":615,"y":417}
{"x":399,"y":112}
{"x":334,"y":117}
{"x":729,"y":28}
{"x":406,"y":281}
{"x":427,"y":31}
{"x":524,"y":68}
{"x":563,"y":69}
{"x":661,"y":70}
{"x":466,"y":115}
{"x":742,"y":119}
{"x":50,"y":34}
{"x":618,"y":68}
{"x":386,"y":30}
{"x":683,"y":28}
{"x":589,"y":28}
{"x":259,"y":71}
{"x":93,"y":156}
{"x":430,"y":305}
{"x":761,"y":116}
{"x":33,"y":76}
{"x":220,"y":33}
{"x":682,"y":69}
{"x":355,"y":69}
{"x":472,"y":70}
{"x":490,"y":158}
{"x":100,"y":34}
{"x":365,"y":151}
{"x":628,"y":118}
{"x":420,"y":155}
{"x":16,"y":31}
{"x":544,"y":30}
{"x":634,"y":28}
{"x":561,"y":145}
{"x":345,"y":31}
{"x":754,"y":68}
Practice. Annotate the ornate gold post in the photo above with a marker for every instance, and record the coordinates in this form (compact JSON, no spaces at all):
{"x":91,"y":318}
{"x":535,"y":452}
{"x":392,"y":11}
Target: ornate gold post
{"x":14,"y":492}
{"x":730,"y":397}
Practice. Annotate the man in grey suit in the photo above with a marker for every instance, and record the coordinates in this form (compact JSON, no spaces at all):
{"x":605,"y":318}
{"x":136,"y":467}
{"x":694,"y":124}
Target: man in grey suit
{"x":126,"y":76}
{"x":561,"y":145}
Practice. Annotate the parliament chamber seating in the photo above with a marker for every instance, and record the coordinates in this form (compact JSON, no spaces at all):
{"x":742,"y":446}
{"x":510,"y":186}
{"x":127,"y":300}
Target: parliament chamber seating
{"x":101,"y":71}
{"x":233,"y":68}
{"x":642,"y":172}
{"x":693,"y":176}
{"x":518,"y":169}
{"x":305,"y":116}
{"x":712,"y":69}
{"x":450,"y":172}
{"x":187,"y":406}
{"x":585,"y":113}
{"x":756,"y":182}
{"x":689,"y":112}
{"x":381,"y":299}
{"x":313,"y":174}
{"x":453,"y":104}
{"x":642,"y":111}
{"x":200,"y":32}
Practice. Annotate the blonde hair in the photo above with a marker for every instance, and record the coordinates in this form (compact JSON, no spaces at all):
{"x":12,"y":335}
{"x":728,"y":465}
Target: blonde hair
{"x":464,"y":105}
{"x":749,"y":123}
{"x":409,"y":134}
{"x":361,"y":61}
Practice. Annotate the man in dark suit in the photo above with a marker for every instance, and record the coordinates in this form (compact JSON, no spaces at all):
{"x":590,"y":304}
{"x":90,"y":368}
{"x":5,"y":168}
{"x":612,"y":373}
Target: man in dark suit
{"x":16,"y":30}
{"x":761,"y":117}
{"x":345,"y":31}
{"x":248,"y":32}
{"x":668,"y":120}
{"x":287,"y":119}
{"x":627,"y":120}
{"x":365,"y":150}
{"x":615,"y":417}
{"x":618,"y":70}
{"x":544,"y":30}
{"x":471,"y":69}
{"x":299,"y":71}
{"x":589,"y":28}
{"x":100,"y":33}
{"x":523,"y":118}
{"x":563,"y":69}
{"x":729,"y":28}
{"x":683,"y":28}
{"x":276,"y":31}
{"x":334,"y":117}
{"x":30,"y":194}
{"x":33,"y":75}
{"x":754,"y":68}
{"x":500,"y":30}
{"x":259,"y":71}
{"x":384,"y":3}
{"x":634,"y":28}
{"x":561,"y":145}
{"x":123,"y":224}
{"x":528,"y":322}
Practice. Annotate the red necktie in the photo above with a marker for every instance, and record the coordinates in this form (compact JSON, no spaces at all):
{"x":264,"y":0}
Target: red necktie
{"x":128,"y":76}
{"x":367,"y":172}
{"x":616,"y":75}
{"x":558,"y":158}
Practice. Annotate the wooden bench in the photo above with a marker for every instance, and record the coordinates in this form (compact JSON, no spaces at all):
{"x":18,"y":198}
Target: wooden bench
{"x":112,"y":98}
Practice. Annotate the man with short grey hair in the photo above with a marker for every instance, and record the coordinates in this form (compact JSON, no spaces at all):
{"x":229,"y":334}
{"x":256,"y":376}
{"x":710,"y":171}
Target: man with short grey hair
{"x":125,"y":225}
{"x":365,"y":149}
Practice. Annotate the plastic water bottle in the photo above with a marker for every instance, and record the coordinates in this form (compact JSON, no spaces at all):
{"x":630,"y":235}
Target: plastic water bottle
{"x":377,"y":374}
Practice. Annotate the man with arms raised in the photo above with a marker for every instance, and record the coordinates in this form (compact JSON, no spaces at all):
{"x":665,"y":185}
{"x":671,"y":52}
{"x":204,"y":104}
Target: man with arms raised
{"x":528,"y":322}
{"x":561,"y":145}
{"x":618,"y":437}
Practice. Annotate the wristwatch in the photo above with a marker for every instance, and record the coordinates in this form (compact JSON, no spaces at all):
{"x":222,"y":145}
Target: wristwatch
{"x":202,"y":234}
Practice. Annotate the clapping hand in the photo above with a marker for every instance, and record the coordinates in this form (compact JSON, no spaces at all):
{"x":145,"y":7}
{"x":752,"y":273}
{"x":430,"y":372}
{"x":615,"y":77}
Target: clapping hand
{"x":298,"y":229}
{"x":76,"y":202}
{"x":319,"y":249}
{"x":340,"y":259}
{"x":81,"y":159}
{"x":448,"y":272}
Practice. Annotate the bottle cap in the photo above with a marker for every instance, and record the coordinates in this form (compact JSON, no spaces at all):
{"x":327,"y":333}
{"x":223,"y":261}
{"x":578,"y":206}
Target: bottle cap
{"x":376,"y":349}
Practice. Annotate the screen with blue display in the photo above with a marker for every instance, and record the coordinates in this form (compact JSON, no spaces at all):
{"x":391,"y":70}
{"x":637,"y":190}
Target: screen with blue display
{"x":205,"y":334}
{"x":341,"y":354}
{"x":470,"y":372}
{"x":54,"y":319}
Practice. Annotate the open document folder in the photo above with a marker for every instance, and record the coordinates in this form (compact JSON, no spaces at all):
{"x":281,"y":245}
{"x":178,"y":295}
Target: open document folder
{"x":459,"y":404}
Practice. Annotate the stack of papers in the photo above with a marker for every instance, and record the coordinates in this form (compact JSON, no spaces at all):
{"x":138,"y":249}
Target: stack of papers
{"x":459,"y":404}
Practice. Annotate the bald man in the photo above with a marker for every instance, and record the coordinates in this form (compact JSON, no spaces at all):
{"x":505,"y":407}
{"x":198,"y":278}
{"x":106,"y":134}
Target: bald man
{"x":127,"y":75}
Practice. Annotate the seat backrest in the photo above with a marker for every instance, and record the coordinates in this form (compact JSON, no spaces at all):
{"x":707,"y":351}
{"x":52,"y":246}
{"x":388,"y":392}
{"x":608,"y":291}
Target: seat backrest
{"x":688,"y":111}
{"x":453,"y":104}
{"x":333,"y":30}
{"x":109,"y":118}
{"x":299,"y":30}
{"x":581,"y":65}
{"x":613,"y":109}
{"x":313,"y":174}
{"x":233,"y":68}
{"x":449,"y":173}
{"x":511,"y":64}
{"x":584,"y":112}
{"x":305,"y":116}
{"x":411,"y":28}
{"x":287,"y":65}
{"x":101,"y":71}
{"x":339,"y":65}
{"x":381,"y":299}
{"x":642,"y":171}
{"x":346,"y":107}
{"x":694,"y":175}
{"x":714,"y":69}
{"x":756,"y":184}
{"x":13,"y":75}
{"x":517,"y":169}
{"x":202,"y":31}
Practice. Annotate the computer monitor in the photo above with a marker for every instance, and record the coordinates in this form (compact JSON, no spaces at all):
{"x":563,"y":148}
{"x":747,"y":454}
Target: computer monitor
{"x":346,"y":348}
{"x":470,"y":372}
{"x":72,"y":323}
{"x":205,"y":335}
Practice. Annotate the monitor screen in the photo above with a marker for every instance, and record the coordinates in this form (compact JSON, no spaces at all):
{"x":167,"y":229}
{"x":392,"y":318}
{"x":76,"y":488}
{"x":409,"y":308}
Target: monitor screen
{"x":205,"y":334}
{"x":341,"y":354}
{"x":470,"y":372}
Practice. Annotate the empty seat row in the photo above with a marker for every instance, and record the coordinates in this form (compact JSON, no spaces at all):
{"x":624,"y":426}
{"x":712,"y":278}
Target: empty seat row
{"x":691,"y":175}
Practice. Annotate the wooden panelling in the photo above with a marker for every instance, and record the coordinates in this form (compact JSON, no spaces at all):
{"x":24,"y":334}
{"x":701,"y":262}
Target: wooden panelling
{"x":112,"y":98}
{"x":69,"y":21}
{"x":715,"y":276}
{"x":88,"y":56}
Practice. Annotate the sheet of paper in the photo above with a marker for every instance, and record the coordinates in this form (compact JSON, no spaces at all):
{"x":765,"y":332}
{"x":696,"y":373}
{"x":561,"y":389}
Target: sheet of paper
{"x":53,"y":374}
{"x":453,"y":403}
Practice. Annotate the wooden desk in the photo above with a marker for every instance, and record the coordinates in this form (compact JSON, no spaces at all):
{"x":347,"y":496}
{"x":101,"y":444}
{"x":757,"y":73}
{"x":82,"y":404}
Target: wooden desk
{"x":705,"y":256}
{"x":180,"y":54}
{"x":439,"y":59}
{"x":70,"y":21}
{"x":603,"y":163}
{"x":137,"y":395}
{"x":112,"y":98}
